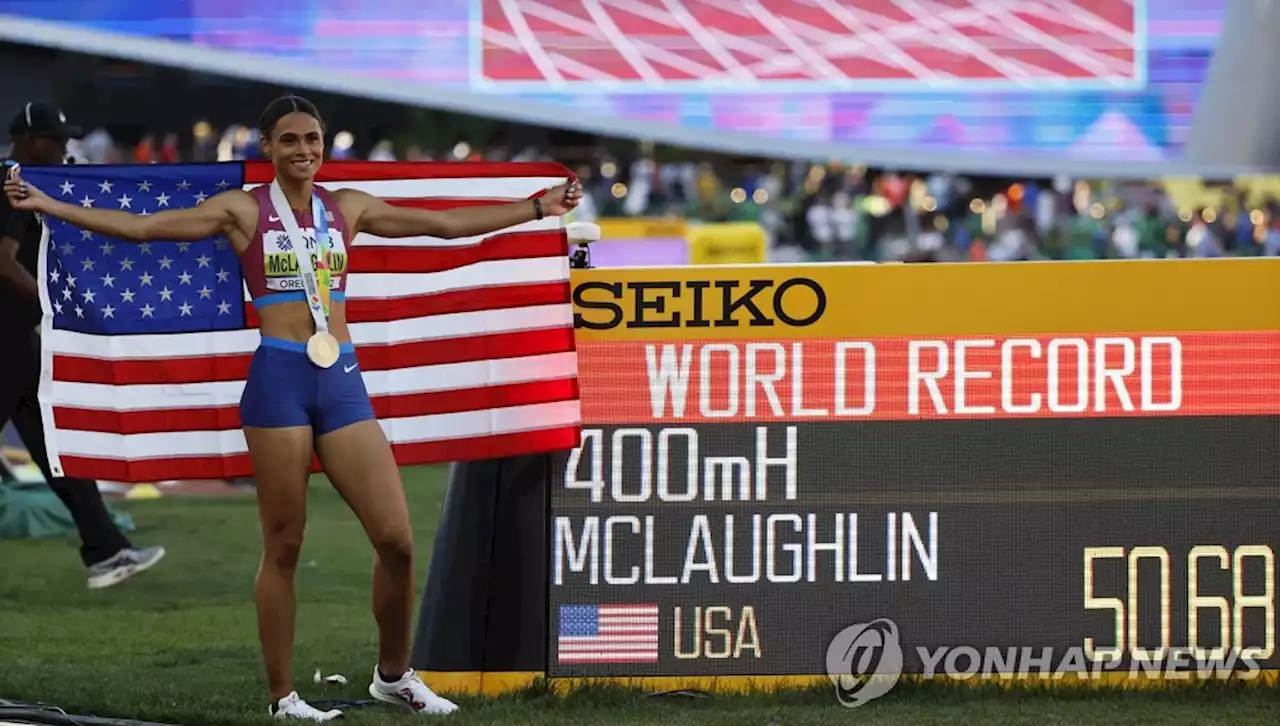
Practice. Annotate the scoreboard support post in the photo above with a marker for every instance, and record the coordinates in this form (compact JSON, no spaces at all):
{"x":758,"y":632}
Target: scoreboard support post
{"x":482,"y":624}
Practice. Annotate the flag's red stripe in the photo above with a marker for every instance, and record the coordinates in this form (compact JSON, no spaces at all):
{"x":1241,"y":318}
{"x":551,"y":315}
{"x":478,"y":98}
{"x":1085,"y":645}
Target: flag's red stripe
{"x":407,"y":260}
{"x":503,"y":297}
{"x":261,"y":172}
{"x":494,"y":346}
{"x":395,"y":406}
{"x":177,"y":371}
{"x":496,"y":446}
{"x":457,"y":301}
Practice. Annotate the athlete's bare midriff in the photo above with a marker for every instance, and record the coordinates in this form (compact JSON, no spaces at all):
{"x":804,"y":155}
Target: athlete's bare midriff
{"x":292,"y":321}
{"x":286,"y":320}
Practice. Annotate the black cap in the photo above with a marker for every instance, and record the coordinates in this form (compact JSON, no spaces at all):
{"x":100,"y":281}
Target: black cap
{"x":43,"y":118}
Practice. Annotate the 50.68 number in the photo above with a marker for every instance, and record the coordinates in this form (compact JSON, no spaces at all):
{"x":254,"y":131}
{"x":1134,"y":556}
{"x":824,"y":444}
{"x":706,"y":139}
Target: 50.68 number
{"x":1254,"y":564}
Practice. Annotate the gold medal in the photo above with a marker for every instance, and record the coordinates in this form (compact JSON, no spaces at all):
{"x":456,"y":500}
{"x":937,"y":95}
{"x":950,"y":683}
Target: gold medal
{"x":323,"y":349}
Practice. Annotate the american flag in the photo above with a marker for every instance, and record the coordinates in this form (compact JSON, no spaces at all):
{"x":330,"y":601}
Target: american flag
{"x":608,"y":634}
{"x":466,"y":345}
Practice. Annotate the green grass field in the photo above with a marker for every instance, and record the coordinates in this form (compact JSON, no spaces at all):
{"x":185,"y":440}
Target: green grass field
{"x":178,"y":644}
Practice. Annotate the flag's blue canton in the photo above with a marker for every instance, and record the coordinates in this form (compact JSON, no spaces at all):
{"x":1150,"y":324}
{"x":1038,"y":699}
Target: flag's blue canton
{"x":579,"y":620}
{"x":108,"y":286}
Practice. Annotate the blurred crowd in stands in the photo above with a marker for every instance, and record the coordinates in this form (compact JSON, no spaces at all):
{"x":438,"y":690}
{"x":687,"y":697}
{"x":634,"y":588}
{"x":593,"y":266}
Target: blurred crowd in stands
{"x":834,"y":211}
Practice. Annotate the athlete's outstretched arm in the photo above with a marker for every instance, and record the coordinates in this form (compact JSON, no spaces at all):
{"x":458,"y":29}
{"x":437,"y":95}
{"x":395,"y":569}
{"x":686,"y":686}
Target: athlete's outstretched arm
{"x":214,"y":216}
{"x":385,"y":220}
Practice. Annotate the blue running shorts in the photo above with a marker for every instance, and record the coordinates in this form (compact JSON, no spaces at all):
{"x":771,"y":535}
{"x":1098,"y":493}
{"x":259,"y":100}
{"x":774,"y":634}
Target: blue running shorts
{"x":284,"y":388}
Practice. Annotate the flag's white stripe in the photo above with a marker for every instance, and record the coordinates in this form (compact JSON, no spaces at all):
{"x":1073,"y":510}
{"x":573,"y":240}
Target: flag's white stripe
{"x":421,"y":379}
{"x":628,"y":610}
{"x":388,"y":285}
{"x":481,"y":187}
{"x":546,"y":224}
{"x":615,"y":647}
{"x":230,"y":342}
{"x":633,"y":621}
{"x":364,"y":239}
{"x":461,"y":325}
{"x":391,"y":285}
{"x":579,"y":639}
{"x":412,"y":429}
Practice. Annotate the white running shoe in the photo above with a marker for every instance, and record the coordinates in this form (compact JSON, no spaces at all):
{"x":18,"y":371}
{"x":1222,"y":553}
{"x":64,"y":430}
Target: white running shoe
{"x":411,"y":693}
{"x":123,"y":565}
{"x":292,"y":706}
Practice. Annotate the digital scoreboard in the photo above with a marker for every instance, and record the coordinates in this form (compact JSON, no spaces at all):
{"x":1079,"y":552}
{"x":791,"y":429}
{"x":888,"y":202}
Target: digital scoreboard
{"x":1055,"y":462}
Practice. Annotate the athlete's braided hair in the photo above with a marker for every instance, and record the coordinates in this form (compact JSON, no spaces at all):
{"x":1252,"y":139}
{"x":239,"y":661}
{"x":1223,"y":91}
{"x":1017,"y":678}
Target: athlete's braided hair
{"x":282,"y":107}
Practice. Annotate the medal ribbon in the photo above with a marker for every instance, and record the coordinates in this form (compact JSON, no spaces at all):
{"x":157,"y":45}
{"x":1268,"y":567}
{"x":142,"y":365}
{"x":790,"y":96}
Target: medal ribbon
{"x":324,"y":268}
{"x":315,"y":283}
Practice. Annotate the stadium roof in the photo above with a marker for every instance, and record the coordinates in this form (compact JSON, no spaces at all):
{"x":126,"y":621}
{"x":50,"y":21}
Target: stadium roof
{"x":265,"y":69}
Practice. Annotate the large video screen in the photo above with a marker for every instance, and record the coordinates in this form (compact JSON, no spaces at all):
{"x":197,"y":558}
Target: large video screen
{"x":1090,"y":79}
{"x":773,"y":455}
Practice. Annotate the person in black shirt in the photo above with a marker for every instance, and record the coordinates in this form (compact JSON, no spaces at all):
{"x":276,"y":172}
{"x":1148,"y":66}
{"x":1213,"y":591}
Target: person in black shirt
{"x":39,"y":133}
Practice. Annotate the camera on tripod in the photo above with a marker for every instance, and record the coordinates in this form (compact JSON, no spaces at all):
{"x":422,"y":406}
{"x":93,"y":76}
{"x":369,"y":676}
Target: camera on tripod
{"x":581,"y":234}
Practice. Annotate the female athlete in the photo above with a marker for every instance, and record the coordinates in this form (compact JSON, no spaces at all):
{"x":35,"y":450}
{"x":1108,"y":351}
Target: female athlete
{"x":303,"y":392}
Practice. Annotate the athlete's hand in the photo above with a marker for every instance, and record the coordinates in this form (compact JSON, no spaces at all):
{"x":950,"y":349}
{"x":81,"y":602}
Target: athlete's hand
{"x":21,"y":194}
{"x":562,"y":199}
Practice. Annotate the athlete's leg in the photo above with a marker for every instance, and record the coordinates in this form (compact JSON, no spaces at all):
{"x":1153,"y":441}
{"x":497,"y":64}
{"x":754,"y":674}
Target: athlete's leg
{"x":277,"y":430}
{"x":281,"y":463}
{"x":358,"y":460}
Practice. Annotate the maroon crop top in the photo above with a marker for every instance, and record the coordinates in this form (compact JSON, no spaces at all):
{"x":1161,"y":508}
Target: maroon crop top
{"x":270,"y":264}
